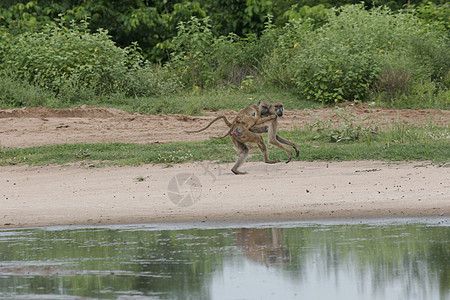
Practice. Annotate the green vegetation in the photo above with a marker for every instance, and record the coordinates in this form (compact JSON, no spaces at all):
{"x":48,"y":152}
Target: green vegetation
{"x":153,"y":24}
{"x":184,"y":57}
{"x":398,"y":58}
{"x":399,"y":143}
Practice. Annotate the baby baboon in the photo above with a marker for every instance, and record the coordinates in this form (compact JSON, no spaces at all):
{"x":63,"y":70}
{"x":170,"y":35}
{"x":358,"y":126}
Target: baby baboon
{"x":277,"y":109}
{"x":247,"y":123}
{"x":249,"y":116}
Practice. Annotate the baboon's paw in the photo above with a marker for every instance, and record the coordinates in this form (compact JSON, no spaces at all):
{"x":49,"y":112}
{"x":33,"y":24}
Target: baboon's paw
{"x":236,"y":172}
{"x":273,"y":161}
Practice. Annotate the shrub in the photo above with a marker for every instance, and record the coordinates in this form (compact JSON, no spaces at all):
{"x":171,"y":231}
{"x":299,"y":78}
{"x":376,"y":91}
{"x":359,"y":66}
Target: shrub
{"x":434,"y":14}
{"x":420,"y":94}
{"x":275,"y":67}
{"x":345,"y":58}
{"x":317,"y":14}
{"x":50,"y":57}
{"x":235,"y":59}
{"x":149,"y":80}
{"x":343,"y":127}
{"x":79,"y":66}
{"x":204,"y":60}
{"x":16,"y":92}
{"x":392,"y":83}
{"x":192,"y":50}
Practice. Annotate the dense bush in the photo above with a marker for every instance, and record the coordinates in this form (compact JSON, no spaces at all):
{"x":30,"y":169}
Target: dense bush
{"x":59,"y":53}
{"x":74,"y":63}
{"x":325,"y":55}
{"x":353,"y":52}
{"x":203,"y":60}
{"x":153,"y":24}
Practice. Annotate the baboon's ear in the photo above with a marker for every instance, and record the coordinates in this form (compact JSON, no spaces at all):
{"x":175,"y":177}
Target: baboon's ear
{"x":259,"y":102}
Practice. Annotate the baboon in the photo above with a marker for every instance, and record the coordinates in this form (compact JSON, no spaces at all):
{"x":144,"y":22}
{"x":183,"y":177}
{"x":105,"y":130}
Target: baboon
{"x":250,"y":116}
{"x":277,"y":109}
{"x":240,"y":135}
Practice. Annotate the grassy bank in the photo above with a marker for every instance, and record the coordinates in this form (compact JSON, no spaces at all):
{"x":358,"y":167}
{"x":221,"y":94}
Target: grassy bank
{"x":398,"y":143}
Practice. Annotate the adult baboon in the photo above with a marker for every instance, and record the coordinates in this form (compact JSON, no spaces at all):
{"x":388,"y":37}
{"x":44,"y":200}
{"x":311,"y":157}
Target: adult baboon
{"x":242,"y":131}
{"x":277,"y":109}
{"x":240,"y":135}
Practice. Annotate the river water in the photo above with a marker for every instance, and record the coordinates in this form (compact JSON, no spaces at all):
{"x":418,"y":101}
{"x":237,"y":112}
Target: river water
{"x":376,"y":259}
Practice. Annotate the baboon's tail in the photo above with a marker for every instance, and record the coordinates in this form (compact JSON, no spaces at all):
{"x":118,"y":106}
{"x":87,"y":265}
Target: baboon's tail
{"x":221,"y":137}
{"x":210,"y":123}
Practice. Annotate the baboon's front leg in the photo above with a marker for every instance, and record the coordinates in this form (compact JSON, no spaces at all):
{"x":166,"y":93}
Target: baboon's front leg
{"x":273,"y":139}
{"x":275,"y":142}
{"x":286,"y":142}
{"x":263,"y":148}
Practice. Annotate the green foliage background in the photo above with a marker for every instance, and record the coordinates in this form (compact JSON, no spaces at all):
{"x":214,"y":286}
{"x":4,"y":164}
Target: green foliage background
{"x":99,"y":52}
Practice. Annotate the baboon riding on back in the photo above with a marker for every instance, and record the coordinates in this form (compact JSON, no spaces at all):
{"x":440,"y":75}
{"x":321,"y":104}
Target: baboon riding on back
{"x":247,"y":126}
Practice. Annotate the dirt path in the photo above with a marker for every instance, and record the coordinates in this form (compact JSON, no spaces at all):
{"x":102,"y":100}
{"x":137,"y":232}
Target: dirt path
{"x":42,"y":126}
{"x":38,"y":196}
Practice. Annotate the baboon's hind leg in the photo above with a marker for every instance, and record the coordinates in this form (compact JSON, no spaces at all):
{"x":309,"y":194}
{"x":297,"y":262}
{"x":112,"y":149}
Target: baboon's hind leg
{"x":240,"y":146}
{"x":260,"y":129}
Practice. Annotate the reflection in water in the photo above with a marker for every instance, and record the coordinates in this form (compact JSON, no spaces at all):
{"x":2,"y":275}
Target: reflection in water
{"x":264,"y":246}
{"x":289,"y":261}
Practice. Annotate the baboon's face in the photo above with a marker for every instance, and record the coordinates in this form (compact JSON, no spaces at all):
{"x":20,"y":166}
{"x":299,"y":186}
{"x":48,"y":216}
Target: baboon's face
{"x":263,"y":108}
{"x":279,"y":109}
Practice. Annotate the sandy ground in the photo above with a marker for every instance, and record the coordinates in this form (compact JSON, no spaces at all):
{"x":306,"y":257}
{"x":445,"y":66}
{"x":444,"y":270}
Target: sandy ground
{"x":36,"y":196}
{"x":55,"y":195}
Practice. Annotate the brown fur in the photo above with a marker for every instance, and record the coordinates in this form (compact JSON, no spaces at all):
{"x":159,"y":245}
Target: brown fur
{"x":277,"y":109}
{"x":245,"y":128}
{"x":240,"y":135}
{"x":250,"y":116}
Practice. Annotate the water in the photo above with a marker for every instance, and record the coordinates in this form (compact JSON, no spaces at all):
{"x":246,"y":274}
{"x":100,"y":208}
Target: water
{"x":408,"y":259}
